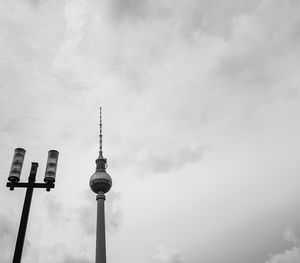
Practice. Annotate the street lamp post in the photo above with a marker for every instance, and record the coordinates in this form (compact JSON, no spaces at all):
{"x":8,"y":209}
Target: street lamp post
{"x":14,"y":178}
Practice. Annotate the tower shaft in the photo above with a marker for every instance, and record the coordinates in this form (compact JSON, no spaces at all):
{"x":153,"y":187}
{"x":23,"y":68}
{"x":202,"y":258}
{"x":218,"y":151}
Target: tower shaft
{"x":100,"y":239}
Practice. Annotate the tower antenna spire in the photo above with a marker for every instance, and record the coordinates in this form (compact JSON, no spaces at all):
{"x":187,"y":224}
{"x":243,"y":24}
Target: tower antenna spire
{"x":100,"y":135}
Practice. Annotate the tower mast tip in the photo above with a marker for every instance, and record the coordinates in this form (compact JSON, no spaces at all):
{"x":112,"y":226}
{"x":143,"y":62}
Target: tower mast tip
{"x":100,"y":135}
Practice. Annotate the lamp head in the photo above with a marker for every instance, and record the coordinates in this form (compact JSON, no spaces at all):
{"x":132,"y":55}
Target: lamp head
{"x":51,"y":166}
{"x":16,"y":166}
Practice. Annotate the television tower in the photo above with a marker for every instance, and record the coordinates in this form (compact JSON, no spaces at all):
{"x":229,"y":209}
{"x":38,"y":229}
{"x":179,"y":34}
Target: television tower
{"x":100,"y":183}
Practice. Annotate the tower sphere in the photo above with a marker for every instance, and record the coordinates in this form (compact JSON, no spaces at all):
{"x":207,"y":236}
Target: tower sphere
{"x":100,"y":182}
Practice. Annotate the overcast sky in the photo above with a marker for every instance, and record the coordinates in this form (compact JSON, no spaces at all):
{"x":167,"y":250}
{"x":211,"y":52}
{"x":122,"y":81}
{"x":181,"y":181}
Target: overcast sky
{"x":201,"y":128}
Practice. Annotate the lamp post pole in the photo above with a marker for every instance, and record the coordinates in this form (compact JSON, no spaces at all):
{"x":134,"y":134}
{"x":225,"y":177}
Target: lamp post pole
{"x":25,"y":214}
{"x":14,"y":178}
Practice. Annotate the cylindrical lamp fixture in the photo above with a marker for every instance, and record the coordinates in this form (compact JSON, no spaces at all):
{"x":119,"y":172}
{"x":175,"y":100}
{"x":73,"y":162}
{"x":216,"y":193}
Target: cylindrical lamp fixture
{"x":16,"y":166}
{"x":51,"y":166}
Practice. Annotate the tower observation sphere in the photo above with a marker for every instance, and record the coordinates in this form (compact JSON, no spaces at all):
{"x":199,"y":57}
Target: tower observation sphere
{"x":100,"y":182}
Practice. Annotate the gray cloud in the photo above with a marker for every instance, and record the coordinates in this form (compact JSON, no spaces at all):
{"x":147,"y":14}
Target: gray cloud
{"x":230,"y":73}
{"x":88,"y":212}
{"x":290,"y":236}
{"x":291,"y":255}
{"x":54,"y":207}
{"x":170,"y":161}
{"x":172,"y":76}
{"x":59,"y":253}
{"x":7,"y":237}
{"x":288,"y":256}
{"x":265,"y":50}
{"x":167,"y":255}
{"x":114,"y":211}
{"x":128,"y":9}
{"x":72,"y":259}
{"x":87,"y":217}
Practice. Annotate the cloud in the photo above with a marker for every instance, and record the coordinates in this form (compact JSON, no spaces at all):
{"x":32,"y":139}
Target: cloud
{"x":175,"y":87}
{"x":175,"y":78}
{"x":289,"y":255}
{"x":158,"y":162}
{"x":261,"y":46}
{"x":72,"y":259}
{"x":113,"y":212}
{"x":167,"y":255}
{"x":290,"y":236}
{"x":87,"y":223}
{"x":59,"y":253}
{"x":7,"y":237}
{"x":54,"y":208}
{"x":128,"y":9}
